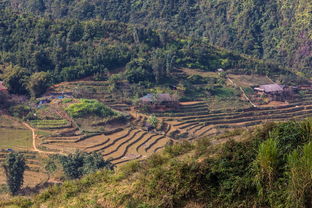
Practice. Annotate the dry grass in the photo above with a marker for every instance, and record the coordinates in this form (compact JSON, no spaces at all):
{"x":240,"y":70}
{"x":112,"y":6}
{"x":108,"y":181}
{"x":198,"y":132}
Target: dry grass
{"x":191,"y":72}
{"x":249,"y":80}
{"x":14,"y":135}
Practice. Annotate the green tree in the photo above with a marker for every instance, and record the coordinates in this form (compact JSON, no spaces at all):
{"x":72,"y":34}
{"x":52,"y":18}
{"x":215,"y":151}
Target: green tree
{"x":15,"y":78}
{"x":300,"y":177}
{"x":80,"y":163}
{"x":153,"y":121}
{"x":14,"y":167}
{"x":72,"y":165}
{"x":38,"y":83}
{"x":266,"y":165}
{"x":93,"y":162}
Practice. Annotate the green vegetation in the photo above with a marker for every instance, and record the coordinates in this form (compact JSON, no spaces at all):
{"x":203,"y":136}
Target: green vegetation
{"x":257,"y":171}
{"x":46,"y":124}
{"x":70,"y":49}
{"x":12,"y":138}
{"x":276,"y":30}
{"x":87,"y":107}
{"x":80,"y":163}
{"x":14,"y":167}
{"x":153,"y":121}
{"x":300,"y":168}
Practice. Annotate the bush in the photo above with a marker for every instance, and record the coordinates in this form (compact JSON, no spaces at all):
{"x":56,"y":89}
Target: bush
{"x":81,"y":163}
{"x":89,"y":107}
{"x":266,"y":165}
{"x":20,"y":111}
{"x":300,"y":178}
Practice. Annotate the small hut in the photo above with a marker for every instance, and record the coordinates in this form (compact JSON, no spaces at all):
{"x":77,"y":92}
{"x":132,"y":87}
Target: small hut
{"x":275,"y":92}
{"x":159,"y":101}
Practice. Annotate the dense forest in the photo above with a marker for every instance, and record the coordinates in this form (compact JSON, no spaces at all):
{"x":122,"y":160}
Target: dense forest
{"x":39,"y":51}
{"x":279,"y":31}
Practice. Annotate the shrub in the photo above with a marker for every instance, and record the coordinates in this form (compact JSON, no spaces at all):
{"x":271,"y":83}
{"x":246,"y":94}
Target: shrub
{"x":266,"y":165}
{"x":20,"y":111}
{"x":79,"y":164}
{"x":178,"y":149}
{"x":300,"y":178}
{"x":153,"y":121}
{"x":89,"y":107}
{"x":290,"y":135}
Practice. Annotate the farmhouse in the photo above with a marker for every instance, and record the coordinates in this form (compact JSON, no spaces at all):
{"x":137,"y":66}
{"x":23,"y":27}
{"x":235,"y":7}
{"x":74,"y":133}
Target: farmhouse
{"x":270,"y":89}
{"x":159,"y":101}
{"x":275,"y":92}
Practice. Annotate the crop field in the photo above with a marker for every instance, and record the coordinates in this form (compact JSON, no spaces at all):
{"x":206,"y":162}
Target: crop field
{"x":191,"y":72}
{"x":208,"y":116}
{"x":15,"y":139}
{"x":49,"y":124}
{"x":249,"y":80}
{"x":13,"y":134}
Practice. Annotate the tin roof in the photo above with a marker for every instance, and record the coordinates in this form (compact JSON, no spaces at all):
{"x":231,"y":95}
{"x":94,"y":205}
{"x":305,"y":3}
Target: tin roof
{"x":164,"y":97}
{"x":271,"y":88}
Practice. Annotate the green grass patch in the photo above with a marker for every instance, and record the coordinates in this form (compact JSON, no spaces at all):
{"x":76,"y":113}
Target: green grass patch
{"x":88,"y":107}
{"x":225,"y":92}
{"x":67,"y":100}
{"x":15,"y":138}
{"x":48,"y":123}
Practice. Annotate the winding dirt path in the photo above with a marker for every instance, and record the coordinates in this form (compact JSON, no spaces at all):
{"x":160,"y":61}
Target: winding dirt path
{"x":34,"y":136}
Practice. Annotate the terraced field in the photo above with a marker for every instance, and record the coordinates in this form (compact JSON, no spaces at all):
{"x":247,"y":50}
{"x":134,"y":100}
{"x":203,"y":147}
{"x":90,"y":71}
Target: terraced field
{"x":121,"y":145}
{"x":192,"y":120}
{"x":196,"y":120}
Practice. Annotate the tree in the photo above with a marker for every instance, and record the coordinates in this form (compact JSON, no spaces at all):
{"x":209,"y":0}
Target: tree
{"x":300,"y":179}
{"x":14,"y":167}
{"x":38,"y":83}
{"x":72,"y":165}
{"x":266,"y":165}
{"x":158,"y":63}
{"x":80,"y":163}
{"x":37,"y":5}
{"x":93,"y":162}
{"x":3,"y":99}
{"x":153,"y":121}
{"x":15,"y":78}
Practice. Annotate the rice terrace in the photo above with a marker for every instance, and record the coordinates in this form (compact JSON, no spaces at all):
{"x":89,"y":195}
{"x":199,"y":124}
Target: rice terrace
{"x":84,"y":115}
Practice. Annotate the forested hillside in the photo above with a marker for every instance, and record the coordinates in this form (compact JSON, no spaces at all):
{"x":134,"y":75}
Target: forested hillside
{"x":38,"y":51}
{"x":279,"y":31}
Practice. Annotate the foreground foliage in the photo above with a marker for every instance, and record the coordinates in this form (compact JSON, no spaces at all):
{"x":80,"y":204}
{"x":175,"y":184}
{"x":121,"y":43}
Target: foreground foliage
{"x":253,"y":172}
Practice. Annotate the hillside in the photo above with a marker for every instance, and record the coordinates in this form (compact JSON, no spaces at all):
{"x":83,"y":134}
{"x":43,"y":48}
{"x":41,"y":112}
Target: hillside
{"x":266,"y":166}
{"x":279,"y":31}
{"x":187,"y":103}
{"x":39,"y":51}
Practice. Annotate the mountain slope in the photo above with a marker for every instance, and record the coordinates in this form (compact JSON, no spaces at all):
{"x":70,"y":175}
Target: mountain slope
{"x":274,"y":30}
{"x":260,"y":167}
{"x":69,"y":49}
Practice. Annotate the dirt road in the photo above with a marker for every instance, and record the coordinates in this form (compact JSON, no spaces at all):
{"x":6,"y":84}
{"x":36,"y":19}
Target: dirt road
{"x":34,"y":136}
